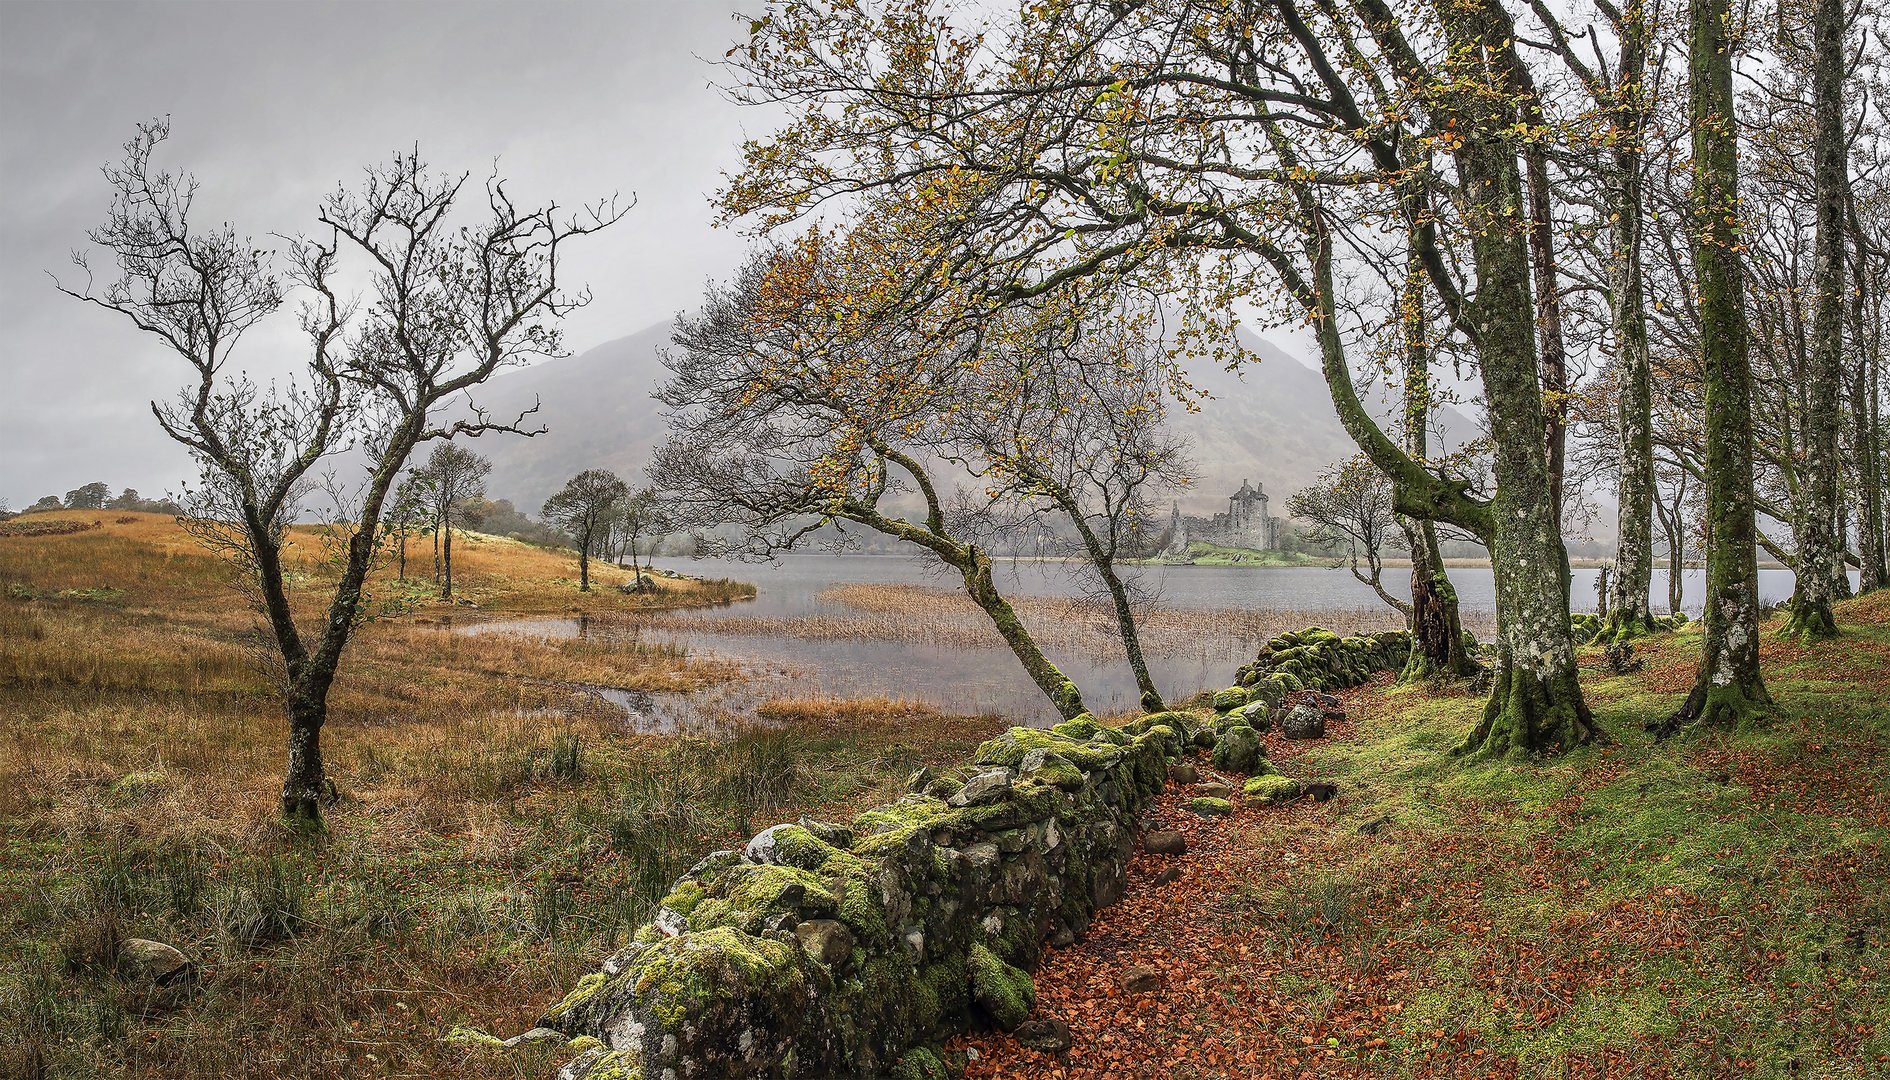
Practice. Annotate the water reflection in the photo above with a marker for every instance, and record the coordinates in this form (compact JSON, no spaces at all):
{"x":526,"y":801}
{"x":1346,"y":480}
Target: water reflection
{"x":769,"y":639}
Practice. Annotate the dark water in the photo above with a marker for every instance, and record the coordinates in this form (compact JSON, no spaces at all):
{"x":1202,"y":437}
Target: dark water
{"x":972,"y":681}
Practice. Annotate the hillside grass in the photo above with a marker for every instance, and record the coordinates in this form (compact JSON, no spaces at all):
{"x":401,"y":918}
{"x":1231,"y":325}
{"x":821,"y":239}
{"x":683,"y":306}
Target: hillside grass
{"x":499,"y":827}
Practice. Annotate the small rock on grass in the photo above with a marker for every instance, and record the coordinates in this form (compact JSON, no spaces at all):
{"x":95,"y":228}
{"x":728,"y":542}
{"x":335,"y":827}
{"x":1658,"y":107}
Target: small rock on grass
{"x":154,"y":962}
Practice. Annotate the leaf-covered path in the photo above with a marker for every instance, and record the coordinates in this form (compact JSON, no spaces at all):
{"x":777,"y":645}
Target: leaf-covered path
{"x":1712,"y":906}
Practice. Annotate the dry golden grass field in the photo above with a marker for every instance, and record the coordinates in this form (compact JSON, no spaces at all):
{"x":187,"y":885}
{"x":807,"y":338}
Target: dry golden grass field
{"x":498,"y":828}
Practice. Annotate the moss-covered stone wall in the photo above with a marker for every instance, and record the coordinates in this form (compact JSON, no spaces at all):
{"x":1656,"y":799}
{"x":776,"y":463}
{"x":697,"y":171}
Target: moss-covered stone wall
{"x":845,"y":950}
{"x":1317,"y":659}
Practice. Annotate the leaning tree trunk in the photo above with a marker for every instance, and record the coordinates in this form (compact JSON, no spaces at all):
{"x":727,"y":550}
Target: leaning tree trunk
{"x":1820,"y":552}
{"x":1729,"y":691}
{"x":1105,"y":564}
{"x":1629,"y":610}
{"x":1437,"y":649}
{"x":975,"y":566}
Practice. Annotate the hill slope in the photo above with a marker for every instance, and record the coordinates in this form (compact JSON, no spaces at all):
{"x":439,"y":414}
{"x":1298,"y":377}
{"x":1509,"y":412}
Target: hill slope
{"x":1272,"y":422}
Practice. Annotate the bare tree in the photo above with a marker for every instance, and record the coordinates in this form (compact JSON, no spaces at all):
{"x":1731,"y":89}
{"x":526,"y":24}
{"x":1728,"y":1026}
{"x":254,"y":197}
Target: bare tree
{"x":452,"y":474}
{"x":1067,"y":414}
{"x":1351,"y":505}
{"x":583,"y":509}
{"x":640,"y":515}
{"x":450,"y":305}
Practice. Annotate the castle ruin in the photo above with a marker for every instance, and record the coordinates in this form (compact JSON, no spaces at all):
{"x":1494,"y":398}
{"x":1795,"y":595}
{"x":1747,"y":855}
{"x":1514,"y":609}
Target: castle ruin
{"x":1246,"y":524}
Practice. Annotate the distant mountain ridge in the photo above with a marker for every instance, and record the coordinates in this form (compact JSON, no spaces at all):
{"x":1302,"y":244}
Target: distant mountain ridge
{"x":1271,"y":423}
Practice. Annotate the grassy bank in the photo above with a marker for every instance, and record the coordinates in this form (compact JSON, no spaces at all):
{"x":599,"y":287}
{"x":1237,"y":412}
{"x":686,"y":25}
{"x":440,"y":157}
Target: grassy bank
{"x":1712,"y":906}
{"x":499,"y":830}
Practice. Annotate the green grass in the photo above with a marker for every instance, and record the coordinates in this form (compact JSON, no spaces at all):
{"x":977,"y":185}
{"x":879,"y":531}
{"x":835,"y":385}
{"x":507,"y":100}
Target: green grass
{"x":1718,"y":904}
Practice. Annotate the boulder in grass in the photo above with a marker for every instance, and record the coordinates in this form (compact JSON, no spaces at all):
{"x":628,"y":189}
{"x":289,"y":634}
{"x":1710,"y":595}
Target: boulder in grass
{"x":1304,"y":721}
{"x":153,"y":962}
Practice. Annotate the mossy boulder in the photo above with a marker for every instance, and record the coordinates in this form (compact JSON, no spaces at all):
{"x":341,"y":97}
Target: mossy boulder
{"x":1271,"y":788}
{"x":1237,"y":749}
{"x":1257,"y":714}
{"x":1231,"y":698}
{"x":1005,"y":993}
{"x":1211,"y":807}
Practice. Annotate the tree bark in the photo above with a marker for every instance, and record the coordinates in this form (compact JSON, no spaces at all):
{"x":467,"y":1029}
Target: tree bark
{"x":1536,"y":706}
{"x":305,"y":783}
{"x":1819,"y":550}
{"x":446,"y":590}
{"x":1629,"y":606}
{"x":1730,"y":691}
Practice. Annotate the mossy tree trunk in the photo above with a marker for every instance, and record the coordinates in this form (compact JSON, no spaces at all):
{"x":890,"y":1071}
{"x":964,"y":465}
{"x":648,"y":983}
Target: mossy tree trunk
{"x":1866,"y":452}
{"x":1537,"y":705}
{"x":1436,"y":628}
{"x":1629,"y":608}
{"x":1820,"y":549}
{"x":1729,"y":691}
{"x":975,"y":565}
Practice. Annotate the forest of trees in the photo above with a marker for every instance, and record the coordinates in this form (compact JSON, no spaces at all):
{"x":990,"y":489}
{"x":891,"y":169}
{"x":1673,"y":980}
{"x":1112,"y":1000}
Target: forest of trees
{"x":1652,"y":231}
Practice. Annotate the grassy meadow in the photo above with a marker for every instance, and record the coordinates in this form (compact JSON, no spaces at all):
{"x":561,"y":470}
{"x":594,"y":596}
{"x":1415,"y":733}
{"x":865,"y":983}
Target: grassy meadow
{"x":498,"y":831}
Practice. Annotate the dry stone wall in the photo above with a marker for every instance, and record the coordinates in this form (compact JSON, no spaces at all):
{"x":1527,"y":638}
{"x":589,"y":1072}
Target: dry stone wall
{"x":1318,"y":659}
{"x":827,"y":950}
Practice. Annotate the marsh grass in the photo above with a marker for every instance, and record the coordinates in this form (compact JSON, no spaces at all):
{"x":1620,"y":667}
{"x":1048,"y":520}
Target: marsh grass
{"x":498,"y":829}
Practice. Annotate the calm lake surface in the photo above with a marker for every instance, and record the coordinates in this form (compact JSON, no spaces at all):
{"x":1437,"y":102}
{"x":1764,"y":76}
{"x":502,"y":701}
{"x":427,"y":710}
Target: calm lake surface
{"x":973,"y":680}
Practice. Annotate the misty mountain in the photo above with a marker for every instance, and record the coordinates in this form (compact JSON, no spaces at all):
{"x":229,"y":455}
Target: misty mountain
{"x":1271,"y":422}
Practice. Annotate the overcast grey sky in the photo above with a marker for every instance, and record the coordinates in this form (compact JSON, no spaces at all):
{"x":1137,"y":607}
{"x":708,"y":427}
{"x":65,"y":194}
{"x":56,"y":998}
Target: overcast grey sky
{"x":271,"y":104}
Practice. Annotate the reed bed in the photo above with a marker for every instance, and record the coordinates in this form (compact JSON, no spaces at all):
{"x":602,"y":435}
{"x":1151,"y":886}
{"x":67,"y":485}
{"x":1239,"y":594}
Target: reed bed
{"x":943,"y":618}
